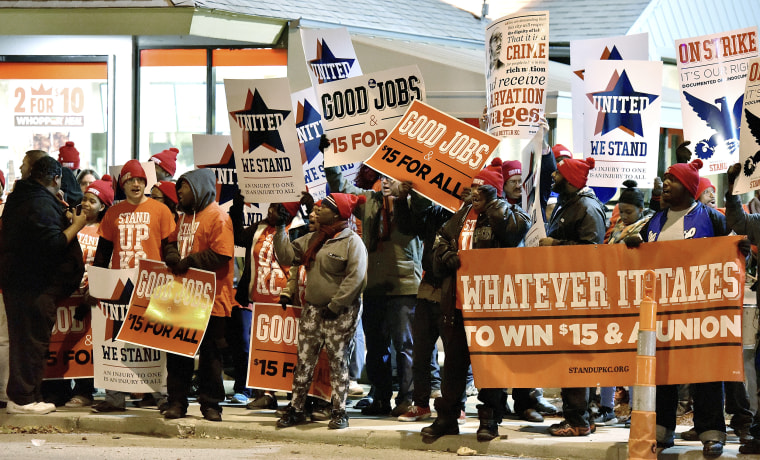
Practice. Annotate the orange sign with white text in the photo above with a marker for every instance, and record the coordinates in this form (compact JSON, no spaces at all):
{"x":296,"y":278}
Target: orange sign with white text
{"x":568,"y":316}
{"x":169,"y":312}
{"x":70,"y":350}
{"x":274,"y":351}
{"x":439,"y":154}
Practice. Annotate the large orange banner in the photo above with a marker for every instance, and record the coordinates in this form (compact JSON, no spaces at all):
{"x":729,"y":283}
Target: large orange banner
{"x":274,"y":351}
{"x":439,"y":154}
{"x":569,"y":316}
{"x":169,"y":312}
{"x":70,"y":350}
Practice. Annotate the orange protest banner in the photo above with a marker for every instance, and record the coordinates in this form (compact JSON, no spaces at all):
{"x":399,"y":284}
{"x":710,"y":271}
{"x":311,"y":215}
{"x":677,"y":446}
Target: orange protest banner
{"x":70,"y":351}
{"x":274,"y":351}
{"x":439,"y":154}
{"x":169,"y":312}
{"x":568,"y":316}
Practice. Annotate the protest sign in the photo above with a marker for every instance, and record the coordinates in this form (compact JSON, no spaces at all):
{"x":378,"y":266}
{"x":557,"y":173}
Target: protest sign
{"x":712,"y":69}
{"x":169,"y":312}
{"x":517,"y":70}
{"x":622,"y":121}
{"x":749,"y":178}
{"x":264,"y":140}
{"x":567,"y":316}
{"x":583,"y":52}
{"x":117,"y":365}
{"x":358,"y":113}
{"x":439,"y":154}
{"x":329,"y":54}
{"x":531,"y":177}
{"x":70,"y":351}
{"x":274,"y":351}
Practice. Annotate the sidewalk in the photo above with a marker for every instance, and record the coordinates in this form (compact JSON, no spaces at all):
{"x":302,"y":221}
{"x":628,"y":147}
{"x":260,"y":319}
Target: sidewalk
{"x":522,"y":438}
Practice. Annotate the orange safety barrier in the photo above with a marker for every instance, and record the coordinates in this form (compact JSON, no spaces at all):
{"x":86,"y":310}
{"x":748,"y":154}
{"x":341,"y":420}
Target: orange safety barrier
{"x":642,"y":441}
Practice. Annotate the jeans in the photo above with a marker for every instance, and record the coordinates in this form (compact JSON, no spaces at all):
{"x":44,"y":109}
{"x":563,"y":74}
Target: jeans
{"x":357,"y":350}
{"x":386,"y":320}
{"x":426,"y":330}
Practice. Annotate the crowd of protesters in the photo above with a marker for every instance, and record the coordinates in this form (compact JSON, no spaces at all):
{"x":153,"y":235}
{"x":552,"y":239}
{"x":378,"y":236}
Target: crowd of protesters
{"x":375,"y":259}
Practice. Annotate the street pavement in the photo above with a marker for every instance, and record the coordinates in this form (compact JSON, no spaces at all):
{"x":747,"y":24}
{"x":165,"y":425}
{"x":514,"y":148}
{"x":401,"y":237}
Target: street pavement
{"x":518,"y":438}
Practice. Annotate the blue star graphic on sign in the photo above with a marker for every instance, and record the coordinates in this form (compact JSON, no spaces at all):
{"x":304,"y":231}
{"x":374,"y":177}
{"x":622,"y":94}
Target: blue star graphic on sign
{"x":327,"y":67}
{"x":261,"y":125}
{"x":309,"y":130}
{"x":620,"y":106}
{"x":226,"y":176}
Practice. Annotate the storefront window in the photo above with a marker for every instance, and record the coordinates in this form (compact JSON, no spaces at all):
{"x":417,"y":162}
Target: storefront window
{"x":43,"y":105}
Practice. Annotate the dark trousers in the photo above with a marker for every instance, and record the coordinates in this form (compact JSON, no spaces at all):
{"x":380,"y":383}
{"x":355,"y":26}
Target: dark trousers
{"x":426,"y":329}
{"x":708,"y":407}
{"x":575,"y":406}
{"x":522,"y":400}
{"x":238,"y":334}
{"x":737,"y":403}
{"x":388,"y":320}
{"x":179,"y":378}
{"x":31,"y":317}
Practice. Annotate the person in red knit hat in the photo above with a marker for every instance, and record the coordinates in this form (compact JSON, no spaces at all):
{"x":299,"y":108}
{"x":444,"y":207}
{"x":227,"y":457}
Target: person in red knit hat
{"x":166,"y":192}
{"x":336,"y":268}
{"x":706,"y":193}
{"x":166,"y":163}
{"x":68,"y":156}
{"x":512,"y":172}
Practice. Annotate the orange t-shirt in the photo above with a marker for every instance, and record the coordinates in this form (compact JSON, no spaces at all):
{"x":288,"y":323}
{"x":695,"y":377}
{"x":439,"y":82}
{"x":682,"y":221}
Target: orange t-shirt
{"x":268,"y":278}
{"x":210,"y":228}
{"x":468,"y":230}
{"x":88,"y":240}
{"x":136,"y":231}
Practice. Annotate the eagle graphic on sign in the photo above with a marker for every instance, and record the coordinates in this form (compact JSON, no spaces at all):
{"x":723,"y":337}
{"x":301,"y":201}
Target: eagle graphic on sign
{"x":725,"y":121}
{"x":753,"y":123}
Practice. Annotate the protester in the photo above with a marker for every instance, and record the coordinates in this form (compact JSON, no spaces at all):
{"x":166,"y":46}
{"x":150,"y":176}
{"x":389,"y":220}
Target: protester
{"x":633,"y":215}
{"x":336,"y":268}
{"x":485,"y":222}
{"x":203,"y":239}
{"x":122,"y":244}
{"x":41,"y":264}
{"x":706,"y":193}
{"x":86,"y":177}
{"x":166,"y":192}
{"x":579,"y":218}
{"x":684,"y":218}
{"x":166,"y":163}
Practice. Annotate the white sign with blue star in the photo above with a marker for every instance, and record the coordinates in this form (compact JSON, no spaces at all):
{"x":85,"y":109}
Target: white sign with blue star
{"x":264,"y":140}
{"x":622,"y":121}
{"x":330,"y":55}
{"x":712,"y":69}
{"x":749,"y":145}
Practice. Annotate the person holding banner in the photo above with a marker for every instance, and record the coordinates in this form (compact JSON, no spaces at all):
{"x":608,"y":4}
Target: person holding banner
{"x":136,"y":228}
{"x":203,"y":239}
{"x":42,"y":263}
{"x":684,"y":218}
{"x":336,"y":269}
{"x":485,"y":222}
{"x":578,"y":218}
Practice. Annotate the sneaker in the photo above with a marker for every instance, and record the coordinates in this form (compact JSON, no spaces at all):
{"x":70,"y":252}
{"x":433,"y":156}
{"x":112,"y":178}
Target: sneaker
{"x":712,"y":449}
{"x":282,"y":410}
{"x":690,"y":435}
{"x":339,"y":420}
{"x":265,"y":401}
{"x":606,"y":417}
{"x":401,"y":409}
{"x":436,"y":393}
{"x":565,"y":429}
{"x":79,"y":401}
{"x":377,"y":408}
{"x":105,"y":406}
{"x":415,"y":414}
{"x":321,"y":412}
{"x":462,"y":418}
{"x":291,"y":418}
{"x":45,"y":406}
{"x":354,"y":389}
{"x":531,"y":415}
{"x":543,"y":406}
{"x":31,"y":408}
{"x":239,"y":398}
{"x":212,"y":414}
{"x":471,"y":390}
{"x":364,"y":402}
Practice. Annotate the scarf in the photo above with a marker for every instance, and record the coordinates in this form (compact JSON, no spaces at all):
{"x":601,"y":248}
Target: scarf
{"x":325,"y":233}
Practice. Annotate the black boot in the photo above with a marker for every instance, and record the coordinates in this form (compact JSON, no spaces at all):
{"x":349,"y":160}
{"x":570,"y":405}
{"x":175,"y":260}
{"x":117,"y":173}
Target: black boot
{"x":489,"y":425}
{"x":339,"y":420}
{"x":291,"y":418}
{"x":445,"y":424}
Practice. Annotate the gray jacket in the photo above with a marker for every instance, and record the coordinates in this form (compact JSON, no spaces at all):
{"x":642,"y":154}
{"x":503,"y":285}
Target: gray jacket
{"x":339,"y":272}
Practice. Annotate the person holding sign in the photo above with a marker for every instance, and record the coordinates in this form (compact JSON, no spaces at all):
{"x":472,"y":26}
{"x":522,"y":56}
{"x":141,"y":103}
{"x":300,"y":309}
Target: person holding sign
{"x":136,"y":228}
{"x":578,"y":218}
{"x":336,"y":269}
{"x":487,"y":221}
{"x":683,"y":218}
{"x":204,"y":240}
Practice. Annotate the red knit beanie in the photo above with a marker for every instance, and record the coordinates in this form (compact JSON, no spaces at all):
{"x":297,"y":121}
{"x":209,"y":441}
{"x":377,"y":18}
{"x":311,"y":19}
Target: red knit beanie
{"x":511,"y":168}
{"x":292,"y":207}
{"x":68,"y":156}
{"x":343,"y":203}
{"x":103,"y":189}
{"x":131,"y":168}
{"x":491,"y":175}
{"x":169,"y":189}
{"x":704,"y":184}
{"x":687,"y":174}
{"x":561,"y":152}
{"x":167,"y":159}
{"x":576,"y":171}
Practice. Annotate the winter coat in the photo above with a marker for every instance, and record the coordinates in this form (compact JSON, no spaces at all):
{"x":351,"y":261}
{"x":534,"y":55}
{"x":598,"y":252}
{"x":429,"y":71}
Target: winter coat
{"x":578,"y":218}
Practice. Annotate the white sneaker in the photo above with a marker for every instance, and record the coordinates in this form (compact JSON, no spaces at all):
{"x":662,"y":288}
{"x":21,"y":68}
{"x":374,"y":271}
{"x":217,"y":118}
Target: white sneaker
{"x":49,"y":407}
{"x":31,"y":408}
{"x":354,"y":389}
